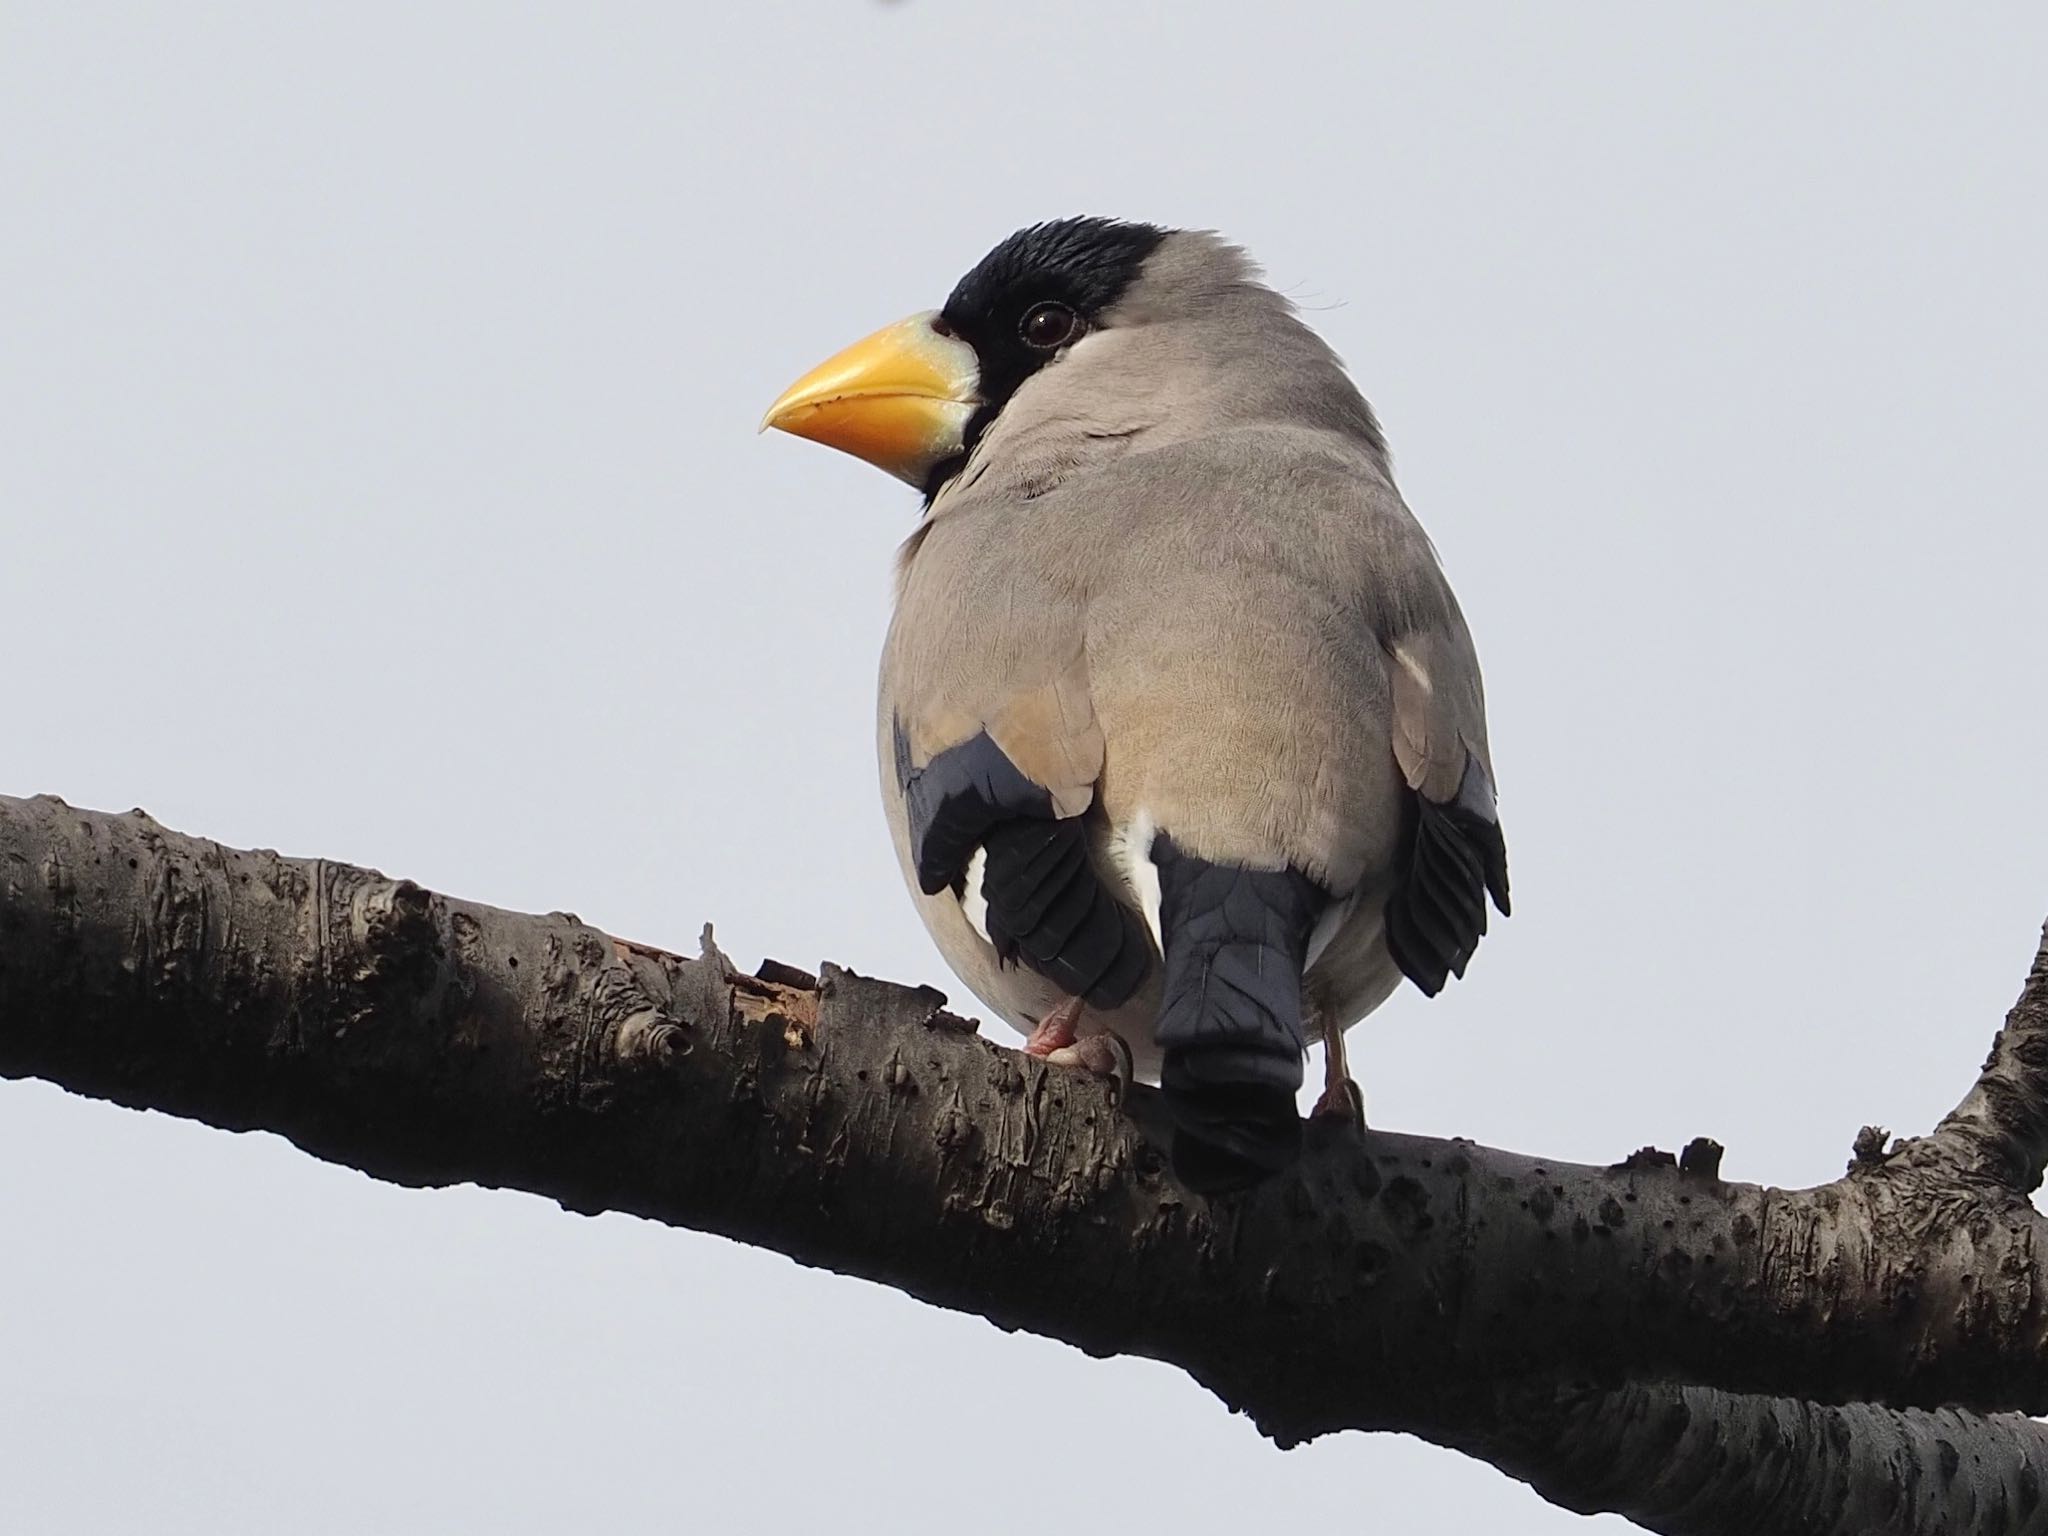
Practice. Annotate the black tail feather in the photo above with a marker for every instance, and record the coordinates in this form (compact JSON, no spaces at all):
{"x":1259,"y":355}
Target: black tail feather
{"x":1230,"y":1019}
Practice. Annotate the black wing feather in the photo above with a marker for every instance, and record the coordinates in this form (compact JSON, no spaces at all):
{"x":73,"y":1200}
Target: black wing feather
{"x":1046,"y":905}
{"x":1455,"y":858}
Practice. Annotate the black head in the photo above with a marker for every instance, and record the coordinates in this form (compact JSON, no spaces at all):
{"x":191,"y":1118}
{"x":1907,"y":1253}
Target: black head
{"x":1034,"y":296}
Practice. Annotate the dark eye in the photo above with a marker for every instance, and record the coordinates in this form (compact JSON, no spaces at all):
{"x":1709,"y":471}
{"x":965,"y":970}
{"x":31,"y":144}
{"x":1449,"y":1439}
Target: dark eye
{"x":1049,"y":325}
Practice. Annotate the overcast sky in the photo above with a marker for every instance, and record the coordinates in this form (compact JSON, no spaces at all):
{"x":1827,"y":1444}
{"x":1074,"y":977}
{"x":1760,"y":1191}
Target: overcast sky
{"x":378,"y":481}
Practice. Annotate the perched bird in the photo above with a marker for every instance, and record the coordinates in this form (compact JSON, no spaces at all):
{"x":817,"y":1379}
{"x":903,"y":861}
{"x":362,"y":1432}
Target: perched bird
{"x":1183,"y":744}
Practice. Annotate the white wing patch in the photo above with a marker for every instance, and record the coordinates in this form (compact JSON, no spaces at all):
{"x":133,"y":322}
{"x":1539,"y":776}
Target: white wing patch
{"x":972,"y":902}
{"x":1130,"y":851}
{"x":1415,"y":669}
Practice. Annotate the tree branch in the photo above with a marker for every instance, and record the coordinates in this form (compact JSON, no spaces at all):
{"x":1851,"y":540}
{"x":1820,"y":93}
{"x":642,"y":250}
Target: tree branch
{"x":1541,"y":1315}
{"x":1690,"y":1461}
{"x":2000,"y":1130}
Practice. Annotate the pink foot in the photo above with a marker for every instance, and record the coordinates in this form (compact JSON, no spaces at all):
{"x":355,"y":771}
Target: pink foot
{"x":1055,"y":1042}
{"x":1343,"y":1101}
{"x":1055,"y":1032}
{"x":1104,"y":1055}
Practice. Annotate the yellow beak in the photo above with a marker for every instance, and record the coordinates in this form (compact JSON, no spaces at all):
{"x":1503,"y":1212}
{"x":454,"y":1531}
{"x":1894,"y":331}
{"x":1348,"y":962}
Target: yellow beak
{"x":900,"y":399}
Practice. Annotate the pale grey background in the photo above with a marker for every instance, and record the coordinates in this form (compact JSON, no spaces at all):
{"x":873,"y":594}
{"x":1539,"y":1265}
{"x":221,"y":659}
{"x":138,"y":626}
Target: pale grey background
{"x":378,"y":481}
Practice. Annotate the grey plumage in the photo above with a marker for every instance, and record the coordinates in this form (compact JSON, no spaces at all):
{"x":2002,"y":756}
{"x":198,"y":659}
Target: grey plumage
{"x":1170,"y":608}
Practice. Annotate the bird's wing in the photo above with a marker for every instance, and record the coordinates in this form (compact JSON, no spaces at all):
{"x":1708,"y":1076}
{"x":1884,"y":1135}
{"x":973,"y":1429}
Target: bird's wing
{"x":1453,"y":854}
{"x":996,"y":757}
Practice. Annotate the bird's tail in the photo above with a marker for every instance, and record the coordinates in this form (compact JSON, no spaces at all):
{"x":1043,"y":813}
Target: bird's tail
{"x":1230,"y":1019}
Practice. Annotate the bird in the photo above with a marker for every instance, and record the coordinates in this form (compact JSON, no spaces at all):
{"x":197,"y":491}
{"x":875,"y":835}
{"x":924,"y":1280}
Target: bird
{"x":1181,"y":730}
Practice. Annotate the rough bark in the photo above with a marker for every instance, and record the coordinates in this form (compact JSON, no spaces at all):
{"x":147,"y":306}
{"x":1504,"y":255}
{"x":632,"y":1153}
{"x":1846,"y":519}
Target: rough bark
{"x":1647,"y":1338}
{"x":1999,"y":1132}
{"x":1691,"y":1461}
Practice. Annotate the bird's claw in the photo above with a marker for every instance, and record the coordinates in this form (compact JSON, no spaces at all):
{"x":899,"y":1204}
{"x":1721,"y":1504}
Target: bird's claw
{"x":1105,"y":1055}
{"x":1343,"y":1102}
